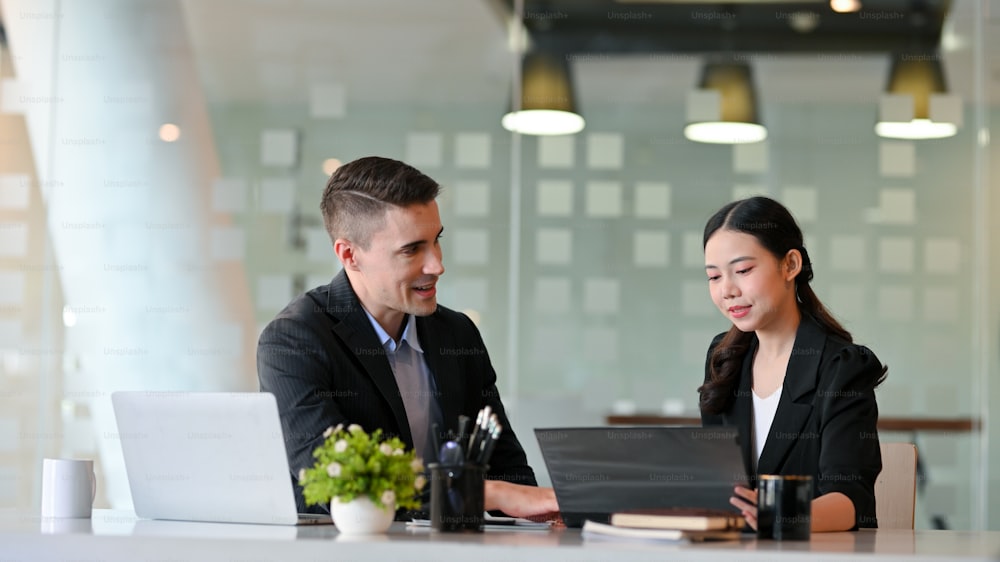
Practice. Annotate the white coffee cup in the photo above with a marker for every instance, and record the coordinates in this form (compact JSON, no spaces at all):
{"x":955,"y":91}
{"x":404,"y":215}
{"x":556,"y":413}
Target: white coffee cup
{"x":68,"y":487}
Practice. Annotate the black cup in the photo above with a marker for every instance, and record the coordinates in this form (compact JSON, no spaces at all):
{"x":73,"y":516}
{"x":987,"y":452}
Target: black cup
{"x":784,"y":507}
{"x":457,"y":497}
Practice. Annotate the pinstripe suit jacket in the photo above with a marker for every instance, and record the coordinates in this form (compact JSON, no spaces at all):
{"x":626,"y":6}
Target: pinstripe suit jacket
{"x":321,"y":359}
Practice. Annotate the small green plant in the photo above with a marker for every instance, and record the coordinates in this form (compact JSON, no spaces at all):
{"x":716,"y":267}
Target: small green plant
{"x":351,"y":463}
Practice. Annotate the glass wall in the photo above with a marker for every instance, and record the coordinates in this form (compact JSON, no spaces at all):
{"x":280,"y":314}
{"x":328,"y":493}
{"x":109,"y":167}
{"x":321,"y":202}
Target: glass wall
{"x":163,"y":164}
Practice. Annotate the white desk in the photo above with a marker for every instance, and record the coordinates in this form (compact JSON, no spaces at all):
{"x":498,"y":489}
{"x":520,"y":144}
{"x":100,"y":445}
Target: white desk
{"x":116,"y":535}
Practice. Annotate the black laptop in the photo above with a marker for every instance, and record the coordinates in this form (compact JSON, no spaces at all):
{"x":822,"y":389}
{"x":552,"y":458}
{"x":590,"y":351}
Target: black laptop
{"x":597,"y":471}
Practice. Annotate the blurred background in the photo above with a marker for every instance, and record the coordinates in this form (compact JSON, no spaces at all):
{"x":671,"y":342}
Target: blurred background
{"x":161,"y":165}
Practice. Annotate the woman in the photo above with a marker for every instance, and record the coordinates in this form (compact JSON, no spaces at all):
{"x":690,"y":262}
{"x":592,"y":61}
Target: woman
{"x":787,"y":373}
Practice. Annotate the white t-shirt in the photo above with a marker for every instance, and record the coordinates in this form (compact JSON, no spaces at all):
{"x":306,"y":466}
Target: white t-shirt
{"x":763,"y":415}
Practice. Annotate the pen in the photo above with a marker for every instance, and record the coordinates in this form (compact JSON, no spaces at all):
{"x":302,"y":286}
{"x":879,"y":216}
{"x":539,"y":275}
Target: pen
{"x":491,"y":424}
{"x":436,"y":436}
{"x":486,"y":416}
{"x":481,"y":432}
{"x":463,"y":429}
{"x":475,"y":431}
{"x":489,"y":445}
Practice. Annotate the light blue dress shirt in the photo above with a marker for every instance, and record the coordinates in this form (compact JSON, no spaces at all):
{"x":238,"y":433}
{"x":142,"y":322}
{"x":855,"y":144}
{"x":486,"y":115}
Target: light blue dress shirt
{"x":415,"y":382}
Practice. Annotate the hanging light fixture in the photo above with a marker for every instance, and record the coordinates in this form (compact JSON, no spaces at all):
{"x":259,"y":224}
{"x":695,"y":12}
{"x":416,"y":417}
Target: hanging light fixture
{"x":845,"y":6}
{"x":548,"y":106}
{"x":724,"y":108}
{"x":920,"y":77}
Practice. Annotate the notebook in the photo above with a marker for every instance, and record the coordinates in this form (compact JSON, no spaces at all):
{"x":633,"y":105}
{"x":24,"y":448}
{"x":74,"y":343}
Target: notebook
{"x":207,"y":456}
{"x":679,"y":518}
{"x":600,"y":531}
{"x":597,"y":471}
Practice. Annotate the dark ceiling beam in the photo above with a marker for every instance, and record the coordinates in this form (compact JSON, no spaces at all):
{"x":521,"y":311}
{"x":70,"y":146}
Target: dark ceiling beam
{"x":685,"y":41}
{"x":610,"y":27}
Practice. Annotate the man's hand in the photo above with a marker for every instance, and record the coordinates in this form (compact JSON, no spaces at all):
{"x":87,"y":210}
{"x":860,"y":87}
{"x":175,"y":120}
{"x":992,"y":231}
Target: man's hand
{"x":518,"y":500}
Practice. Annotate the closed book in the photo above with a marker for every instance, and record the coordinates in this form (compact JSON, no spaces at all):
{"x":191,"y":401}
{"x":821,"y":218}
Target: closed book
{"x":681,"y":519}
{"x":600,"y":531}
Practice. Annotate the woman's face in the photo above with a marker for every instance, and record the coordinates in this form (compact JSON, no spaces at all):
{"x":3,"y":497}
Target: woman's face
{"x":748,"y":284}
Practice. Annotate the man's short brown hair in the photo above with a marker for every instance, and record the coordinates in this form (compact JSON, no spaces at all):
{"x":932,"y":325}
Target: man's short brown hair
{"x":360,"y":192}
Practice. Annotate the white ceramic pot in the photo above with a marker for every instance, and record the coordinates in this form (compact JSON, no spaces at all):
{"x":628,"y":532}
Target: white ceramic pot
{"x":361,"y":517}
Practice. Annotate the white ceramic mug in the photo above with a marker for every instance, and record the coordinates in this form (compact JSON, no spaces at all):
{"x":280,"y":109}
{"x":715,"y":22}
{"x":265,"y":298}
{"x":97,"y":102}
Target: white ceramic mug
{"x":68,"y":487}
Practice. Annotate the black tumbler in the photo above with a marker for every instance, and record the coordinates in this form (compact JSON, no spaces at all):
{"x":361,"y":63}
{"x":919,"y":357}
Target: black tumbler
{"x":784,"y":507}
{"x":457,"y":497}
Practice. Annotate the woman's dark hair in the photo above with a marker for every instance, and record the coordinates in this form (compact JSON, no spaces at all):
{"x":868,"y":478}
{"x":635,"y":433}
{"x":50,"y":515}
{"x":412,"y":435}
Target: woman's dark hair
{"x":775,"y":229}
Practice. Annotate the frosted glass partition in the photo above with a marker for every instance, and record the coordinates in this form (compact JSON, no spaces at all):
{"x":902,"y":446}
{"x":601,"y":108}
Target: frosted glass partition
{"x":169,"y":257}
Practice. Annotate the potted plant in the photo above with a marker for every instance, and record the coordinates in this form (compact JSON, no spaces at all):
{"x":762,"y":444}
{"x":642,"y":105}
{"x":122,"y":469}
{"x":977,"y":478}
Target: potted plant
{"x":364,"y":477}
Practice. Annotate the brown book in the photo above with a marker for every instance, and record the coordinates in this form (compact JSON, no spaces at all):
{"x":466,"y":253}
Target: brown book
{"x":682,"y":519}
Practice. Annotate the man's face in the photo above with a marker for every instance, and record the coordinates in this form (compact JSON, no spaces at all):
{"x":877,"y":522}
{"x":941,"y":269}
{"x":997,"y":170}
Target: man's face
{"x":398,"y":273}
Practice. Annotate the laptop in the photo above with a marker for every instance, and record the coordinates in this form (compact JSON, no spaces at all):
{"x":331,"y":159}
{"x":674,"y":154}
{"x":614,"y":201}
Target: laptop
{"x":207,"y":456}
{"x":597,"y":471}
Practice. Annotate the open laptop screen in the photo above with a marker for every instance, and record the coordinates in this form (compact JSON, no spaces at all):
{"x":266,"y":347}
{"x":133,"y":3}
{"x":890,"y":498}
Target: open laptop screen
{"x":597,"y":471}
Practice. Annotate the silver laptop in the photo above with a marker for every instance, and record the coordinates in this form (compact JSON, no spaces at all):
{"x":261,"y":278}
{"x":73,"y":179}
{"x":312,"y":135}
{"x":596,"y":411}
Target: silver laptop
{"x":207,"y":456}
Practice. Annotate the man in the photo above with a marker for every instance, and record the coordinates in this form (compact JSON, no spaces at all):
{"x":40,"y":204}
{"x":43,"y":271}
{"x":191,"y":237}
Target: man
{"x":374,"y":348}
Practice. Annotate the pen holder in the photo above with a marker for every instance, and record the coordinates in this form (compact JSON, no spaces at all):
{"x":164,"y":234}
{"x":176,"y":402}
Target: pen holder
{"x":784,"y":507}
{"x":457,"y":497}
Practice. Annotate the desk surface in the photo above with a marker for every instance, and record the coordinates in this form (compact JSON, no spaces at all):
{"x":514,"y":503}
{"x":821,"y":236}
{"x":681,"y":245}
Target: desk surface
{"x":119,"y":535}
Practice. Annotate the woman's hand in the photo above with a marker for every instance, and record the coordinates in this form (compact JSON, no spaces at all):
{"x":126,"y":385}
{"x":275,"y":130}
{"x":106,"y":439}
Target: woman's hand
{"x":830,"y":512}
{"x":745,"y":500}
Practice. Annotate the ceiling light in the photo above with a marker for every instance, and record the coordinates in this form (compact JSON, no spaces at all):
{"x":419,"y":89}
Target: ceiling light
{"x":952,"y":40}
{"x":845,"y":6}
{"x":69,"y":317}
{"x":547,"y":105}
{"x":920,"y":78}
{"x":916,"y":129}
{"x":724,"y":108}
{"x":330,"y":166}
{"x":803,"y":22}
{"x":169,"y":132}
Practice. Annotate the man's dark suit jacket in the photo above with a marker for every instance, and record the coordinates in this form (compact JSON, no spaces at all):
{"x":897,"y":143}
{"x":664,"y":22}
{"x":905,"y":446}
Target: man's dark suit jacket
{"x":825,"y":425}
{"x":322,"y":360}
